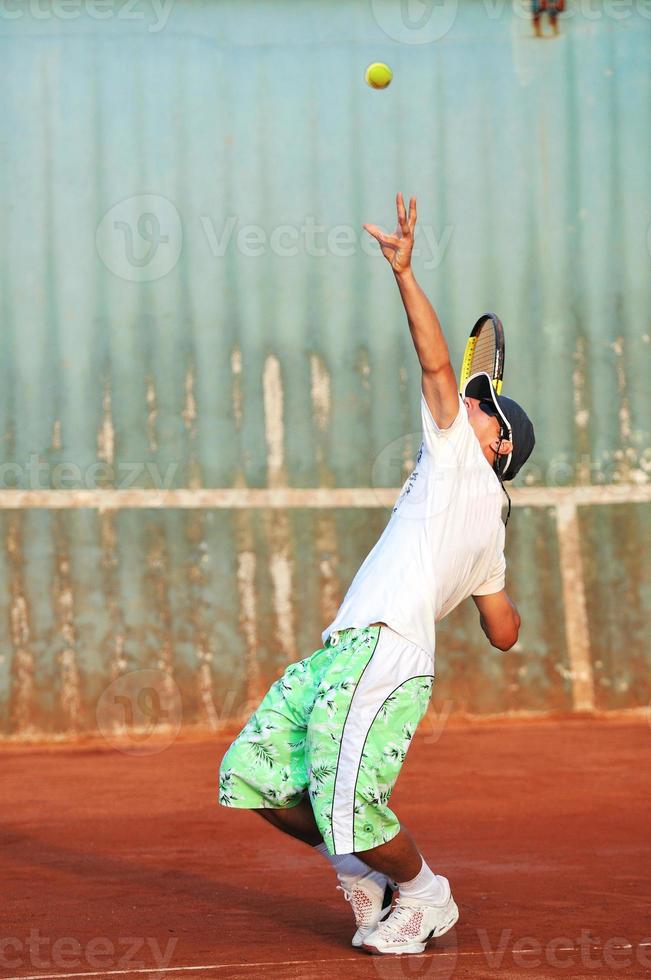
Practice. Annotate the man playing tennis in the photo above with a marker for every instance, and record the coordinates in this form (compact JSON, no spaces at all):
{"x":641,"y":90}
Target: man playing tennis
{"x":320,"y":756}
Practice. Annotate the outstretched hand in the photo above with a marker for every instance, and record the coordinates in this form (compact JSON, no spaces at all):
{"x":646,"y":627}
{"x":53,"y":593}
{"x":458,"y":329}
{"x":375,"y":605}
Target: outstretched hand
{"x":397,"y":248}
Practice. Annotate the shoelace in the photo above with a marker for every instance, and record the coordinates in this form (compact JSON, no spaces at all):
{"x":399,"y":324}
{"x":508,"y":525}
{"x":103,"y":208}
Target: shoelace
{"x":399,"y":917}
{"x":347,"y":894}
{"x":361,"y":913}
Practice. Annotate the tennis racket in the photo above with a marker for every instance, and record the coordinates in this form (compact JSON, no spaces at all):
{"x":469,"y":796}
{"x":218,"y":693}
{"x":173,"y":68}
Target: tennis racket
{"x":484,"y":351}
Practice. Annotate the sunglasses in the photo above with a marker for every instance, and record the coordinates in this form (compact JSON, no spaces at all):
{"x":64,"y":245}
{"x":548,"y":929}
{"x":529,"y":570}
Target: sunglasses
{"x":487,"y":406}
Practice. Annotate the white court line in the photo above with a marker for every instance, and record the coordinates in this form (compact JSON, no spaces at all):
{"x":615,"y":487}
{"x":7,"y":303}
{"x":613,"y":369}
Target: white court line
{"x":177,"y":969}
{"x":345,"y":959}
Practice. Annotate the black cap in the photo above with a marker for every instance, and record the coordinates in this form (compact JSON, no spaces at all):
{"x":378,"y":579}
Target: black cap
{"x":515,"y":418}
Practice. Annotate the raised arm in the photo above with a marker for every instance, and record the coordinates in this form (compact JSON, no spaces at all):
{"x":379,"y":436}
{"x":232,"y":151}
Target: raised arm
{"x":438,"y":378}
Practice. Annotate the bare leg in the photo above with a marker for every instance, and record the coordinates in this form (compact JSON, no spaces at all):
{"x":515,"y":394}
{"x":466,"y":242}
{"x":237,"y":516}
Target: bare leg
{"x":297,"y":821}
{"x":554,"y":22}
{"x":536,"y":25}
{"x":399,"y":858}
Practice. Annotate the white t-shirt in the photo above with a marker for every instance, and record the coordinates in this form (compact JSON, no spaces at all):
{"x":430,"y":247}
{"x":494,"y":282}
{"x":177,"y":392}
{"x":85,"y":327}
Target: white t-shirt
{"x":443,"y":543}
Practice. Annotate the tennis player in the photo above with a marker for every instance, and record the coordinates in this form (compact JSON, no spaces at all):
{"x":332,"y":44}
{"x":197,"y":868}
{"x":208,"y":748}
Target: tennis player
{"x":320,"y":756}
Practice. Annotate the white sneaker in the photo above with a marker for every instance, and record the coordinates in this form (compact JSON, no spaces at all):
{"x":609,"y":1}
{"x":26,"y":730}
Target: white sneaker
{"x":370,"y":896}
{"x":410,"y":925}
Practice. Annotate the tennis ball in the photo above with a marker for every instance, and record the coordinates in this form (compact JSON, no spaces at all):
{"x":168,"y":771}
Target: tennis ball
{"x":378,"y":75}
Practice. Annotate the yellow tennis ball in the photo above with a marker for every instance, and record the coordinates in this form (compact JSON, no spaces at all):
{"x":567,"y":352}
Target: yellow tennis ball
{"x":378,"y":75}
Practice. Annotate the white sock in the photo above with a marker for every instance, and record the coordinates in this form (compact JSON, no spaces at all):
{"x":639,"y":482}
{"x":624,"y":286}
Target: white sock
{"x":427,"y":887}
{"x":346,"y":865}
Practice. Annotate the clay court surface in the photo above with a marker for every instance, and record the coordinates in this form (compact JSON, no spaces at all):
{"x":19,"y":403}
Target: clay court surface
{"x":123,"y":865}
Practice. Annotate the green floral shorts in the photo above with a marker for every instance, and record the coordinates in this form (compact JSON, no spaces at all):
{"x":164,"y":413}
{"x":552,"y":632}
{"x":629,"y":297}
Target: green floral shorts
{"x":336,"y":726}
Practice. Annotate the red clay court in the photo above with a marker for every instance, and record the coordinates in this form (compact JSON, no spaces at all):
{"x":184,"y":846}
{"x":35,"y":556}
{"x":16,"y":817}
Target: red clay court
{"x":124,"y":865}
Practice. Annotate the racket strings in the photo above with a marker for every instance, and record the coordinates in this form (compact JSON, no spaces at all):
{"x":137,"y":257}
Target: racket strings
{"x":483,"y":356}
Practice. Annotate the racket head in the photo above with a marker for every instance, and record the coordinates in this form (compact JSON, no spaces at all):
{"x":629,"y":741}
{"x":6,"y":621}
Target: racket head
{"x":484,"y":351}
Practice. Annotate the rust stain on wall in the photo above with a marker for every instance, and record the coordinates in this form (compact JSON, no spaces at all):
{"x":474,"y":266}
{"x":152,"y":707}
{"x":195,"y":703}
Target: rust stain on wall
{"x":246,"y":562}
{"x":22,"y":691}
{"x":277,"y":525}
{"x":189,"y":412}
{"x":196,"y":574}
{"x":116,"y":639}
{"x":190,"y":416}
{"x":326,"y":530}
{"x":70,"y":699}
{"x":581,"y":411}
{"x":248,"y":613}
{"x":624,"y":408}
{"x":158,"y":611}
{"x":158,"y":614}
{"x":281,"y":565}
{"x":106,"y":434}
{"x":152,"y":414}
{"x":236,"y":372}
{"x":274,"y":428}
{"x":631,"y":456}
{"x":56,"y":435}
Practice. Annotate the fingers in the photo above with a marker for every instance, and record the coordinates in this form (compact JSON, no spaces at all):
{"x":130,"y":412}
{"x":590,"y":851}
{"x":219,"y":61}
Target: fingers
{"x":412,"y":213}
{"x":390,"y":241}
{"x":405,"y":224}
{"x":405,"y":227}
{"x":402,"y":217}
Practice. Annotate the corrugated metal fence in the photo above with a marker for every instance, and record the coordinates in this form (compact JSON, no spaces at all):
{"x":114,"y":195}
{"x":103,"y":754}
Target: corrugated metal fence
{"x":188,"y":305}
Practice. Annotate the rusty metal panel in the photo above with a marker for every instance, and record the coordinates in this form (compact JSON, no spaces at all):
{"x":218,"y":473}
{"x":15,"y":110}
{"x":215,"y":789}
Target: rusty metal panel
{"x":617,"y":562}
{"x":186,"y":301}
{"x":222,"y":601}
